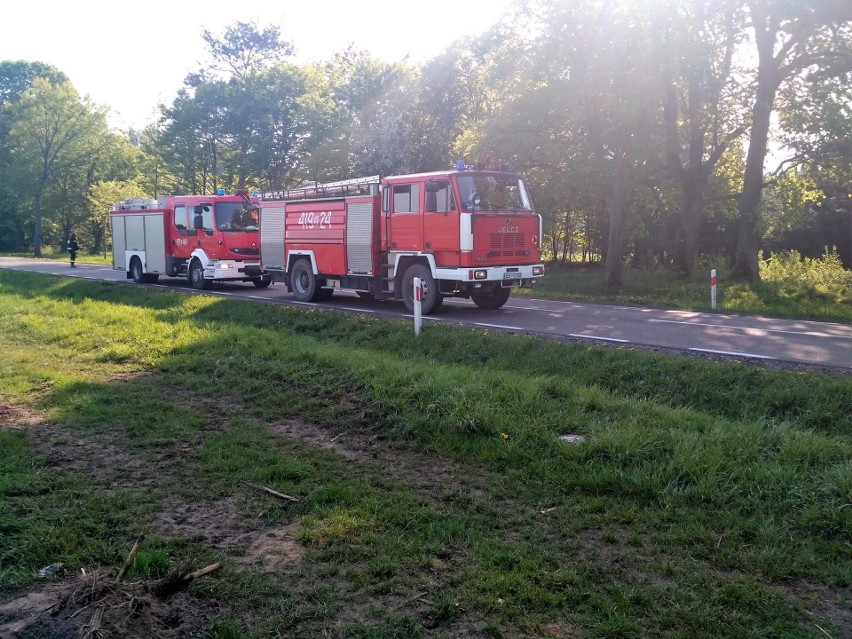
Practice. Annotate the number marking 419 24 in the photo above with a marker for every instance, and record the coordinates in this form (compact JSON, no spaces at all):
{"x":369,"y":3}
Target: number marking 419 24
{"x":311,"y":220}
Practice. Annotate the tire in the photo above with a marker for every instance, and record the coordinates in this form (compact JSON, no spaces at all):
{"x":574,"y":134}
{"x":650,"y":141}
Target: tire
{"x":263,"y":281}
{"x":196,"y":277}
{"x":495,"y":298}
{"x":304,"y":282}
{"x":432,"y":299}
{"x":136,"y":272}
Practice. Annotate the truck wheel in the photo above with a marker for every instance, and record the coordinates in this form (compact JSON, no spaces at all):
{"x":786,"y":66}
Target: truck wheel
{"x":495,"y":298}
{"x":263,"y":281}
{"x":431,"y":300}
{"x":304,"y":282}
{"x":196,"y":277}
{"x":324,"y":294}
{"x":136,"y":271}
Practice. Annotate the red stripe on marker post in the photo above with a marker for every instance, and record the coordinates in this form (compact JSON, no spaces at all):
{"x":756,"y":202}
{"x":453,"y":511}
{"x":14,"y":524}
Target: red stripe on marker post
{"x":713,"y":289}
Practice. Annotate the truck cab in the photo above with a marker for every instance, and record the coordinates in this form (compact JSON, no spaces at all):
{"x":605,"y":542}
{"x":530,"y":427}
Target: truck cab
{"x":204,"y":238}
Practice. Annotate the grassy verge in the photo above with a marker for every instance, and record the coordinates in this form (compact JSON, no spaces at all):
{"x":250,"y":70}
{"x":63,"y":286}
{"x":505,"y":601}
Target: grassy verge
{"x":51,"y":254}
{"x":789,"y":287}
{"x":436,"y":498}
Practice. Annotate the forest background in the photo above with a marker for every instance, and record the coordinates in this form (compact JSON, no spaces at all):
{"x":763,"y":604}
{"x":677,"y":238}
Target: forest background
{"x":654,"y":133}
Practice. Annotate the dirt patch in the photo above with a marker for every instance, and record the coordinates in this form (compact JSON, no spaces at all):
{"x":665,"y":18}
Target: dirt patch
{"x":16,"y":417}
{"x":100,"y":458}
{"x":94,"y":605}
{"x":316,"y":436}
{"x":271,"y":549}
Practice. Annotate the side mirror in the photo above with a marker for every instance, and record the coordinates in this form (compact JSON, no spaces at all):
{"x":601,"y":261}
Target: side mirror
{"x":198,"y":220}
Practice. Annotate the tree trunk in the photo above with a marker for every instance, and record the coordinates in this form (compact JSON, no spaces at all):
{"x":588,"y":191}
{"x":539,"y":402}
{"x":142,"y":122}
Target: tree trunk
{"x":37,"y":225}
{"x":745,"y":261}
{"x":615,"y":213}
{"x":686,"y":247}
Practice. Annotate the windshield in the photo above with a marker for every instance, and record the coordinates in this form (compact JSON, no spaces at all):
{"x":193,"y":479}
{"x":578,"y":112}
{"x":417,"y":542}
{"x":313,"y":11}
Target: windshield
{"x":236,"y":216}
{"x":493,"y":192}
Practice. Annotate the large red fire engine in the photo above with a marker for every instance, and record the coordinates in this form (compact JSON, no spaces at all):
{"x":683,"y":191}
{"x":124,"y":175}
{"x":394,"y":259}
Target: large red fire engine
{"x":464,"y":232}
{"x":200,"y":237}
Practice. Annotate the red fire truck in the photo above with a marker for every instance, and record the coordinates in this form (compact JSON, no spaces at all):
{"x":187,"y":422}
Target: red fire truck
{"x":201,"y":237}
{"x":464,"y":232}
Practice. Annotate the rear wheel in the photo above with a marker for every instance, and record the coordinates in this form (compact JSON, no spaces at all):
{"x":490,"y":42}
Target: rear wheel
{"x":303,"y":281}
{"x":196,"y":277}
{"x":324,"y":294}
{"x":431,"y":299}
{"x":136,"y":271}
{"x":495,"y":298}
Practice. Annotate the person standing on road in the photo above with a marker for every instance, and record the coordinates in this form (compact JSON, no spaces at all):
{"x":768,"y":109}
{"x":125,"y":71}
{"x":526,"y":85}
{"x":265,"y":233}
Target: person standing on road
{"x":73,"y":247}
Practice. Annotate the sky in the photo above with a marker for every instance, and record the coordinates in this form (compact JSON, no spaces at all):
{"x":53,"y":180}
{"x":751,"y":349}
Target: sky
{"x":132,"y":56}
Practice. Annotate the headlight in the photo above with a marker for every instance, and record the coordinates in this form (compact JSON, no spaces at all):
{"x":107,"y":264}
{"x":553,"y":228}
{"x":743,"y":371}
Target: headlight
{"x":480,"y":274}
{"x":538,"y":270}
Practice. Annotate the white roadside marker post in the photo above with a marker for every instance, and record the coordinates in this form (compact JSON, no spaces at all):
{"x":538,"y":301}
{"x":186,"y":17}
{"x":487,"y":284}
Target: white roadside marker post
{"x":418,"y":306}
{"x":713,"y":289}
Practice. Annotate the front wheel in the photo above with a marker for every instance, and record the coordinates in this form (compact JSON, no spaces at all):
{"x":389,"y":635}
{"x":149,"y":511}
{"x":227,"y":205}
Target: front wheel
{"x":495,"y":298}
{"x":431,"y":299}
{"x":303,"y":281}
{"x":196,"y":277}
{"x":263,"y":281}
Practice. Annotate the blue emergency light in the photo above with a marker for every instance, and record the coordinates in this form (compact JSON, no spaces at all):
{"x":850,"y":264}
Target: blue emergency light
{"x":220,"y":192}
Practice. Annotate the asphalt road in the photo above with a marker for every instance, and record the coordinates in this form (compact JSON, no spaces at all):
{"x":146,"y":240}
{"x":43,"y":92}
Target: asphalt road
{"x":749,"y":338}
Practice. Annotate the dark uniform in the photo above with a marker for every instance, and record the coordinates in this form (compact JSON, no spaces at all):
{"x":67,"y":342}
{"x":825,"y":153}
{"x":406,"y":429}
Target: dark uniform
{"x":73,"y":247}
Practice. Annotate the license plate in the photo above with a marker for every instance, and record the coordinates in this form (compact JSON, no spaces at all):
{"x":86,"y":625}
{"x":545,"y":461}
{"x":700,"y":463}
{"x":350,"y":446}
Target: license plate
{"x":511,"y":276}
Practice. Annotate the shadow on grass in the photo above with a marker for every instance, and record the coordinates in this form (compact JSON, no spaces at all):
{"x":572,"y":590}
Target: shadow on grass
{"x":731,"y":391}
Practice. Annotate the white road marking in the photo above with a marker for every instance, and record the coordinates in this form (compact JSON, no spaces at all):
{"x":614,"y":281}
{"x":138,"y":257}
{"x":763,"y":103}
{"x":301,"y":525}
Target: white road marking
{"x":511,"y":328}
{"x":603,"y":339}
{"x":750,"y":328}
{"x":732,"y":353}
{"x":349,"y":308}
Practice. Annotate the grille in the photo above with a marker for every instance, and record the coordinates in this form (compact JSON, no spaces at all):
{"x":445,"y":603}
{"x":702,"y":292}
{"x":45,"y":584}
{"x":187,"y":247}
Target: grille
{"x":508,"y":244}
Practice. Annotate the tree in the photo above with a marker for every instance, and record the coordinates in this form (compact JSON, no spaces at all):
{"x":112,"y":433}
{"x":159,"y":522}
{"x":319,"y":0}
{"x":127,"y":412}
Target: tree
{"x":52,"y":131}
{"x":17,"y":77}
{"x":245,"y":48}
{"x":790,"y":37}
{"x":702,"y":107}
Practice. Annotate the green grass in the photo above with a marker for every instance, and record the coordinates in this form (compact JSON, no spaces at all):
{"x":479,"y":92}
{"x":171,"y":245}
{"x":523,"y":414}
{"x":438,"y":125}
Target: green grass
{"x":49,"y":253}
{"x":819,"y":289}
{"x":708,"y":499}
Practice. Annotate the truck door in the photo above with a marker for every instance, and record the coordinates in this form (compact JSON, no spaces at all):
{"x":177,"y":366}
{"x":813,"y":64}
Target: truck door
{"x":405,"y":224}
{"x":441,"y":223}
{"x":181,"y":231}
{"x":204,"y":224}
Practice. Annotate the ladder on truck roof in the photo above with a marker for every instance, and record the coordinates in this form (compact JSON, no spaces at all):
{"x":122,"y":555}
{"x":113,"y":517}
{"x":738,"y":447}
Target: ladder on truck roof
{"x":356,"y":186}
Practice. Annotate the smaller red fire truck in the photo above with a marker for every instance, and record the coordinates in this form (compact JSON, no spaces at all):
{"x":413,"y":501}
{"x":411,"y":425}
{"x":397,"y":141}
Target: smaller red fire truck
{"x":204,"y":238}
{"x":465,"y":232}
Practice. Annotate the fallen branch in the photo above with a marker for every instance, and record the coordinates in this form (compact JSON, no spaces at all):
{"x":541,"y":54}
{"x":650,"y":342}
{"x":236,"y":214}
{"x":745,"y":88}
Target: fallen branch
{"x":179,"y":580}
{"x":270,"y":491}
{"x":201,"y":572}
{"x":94,"y":625}
{"x":131,"y":558}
